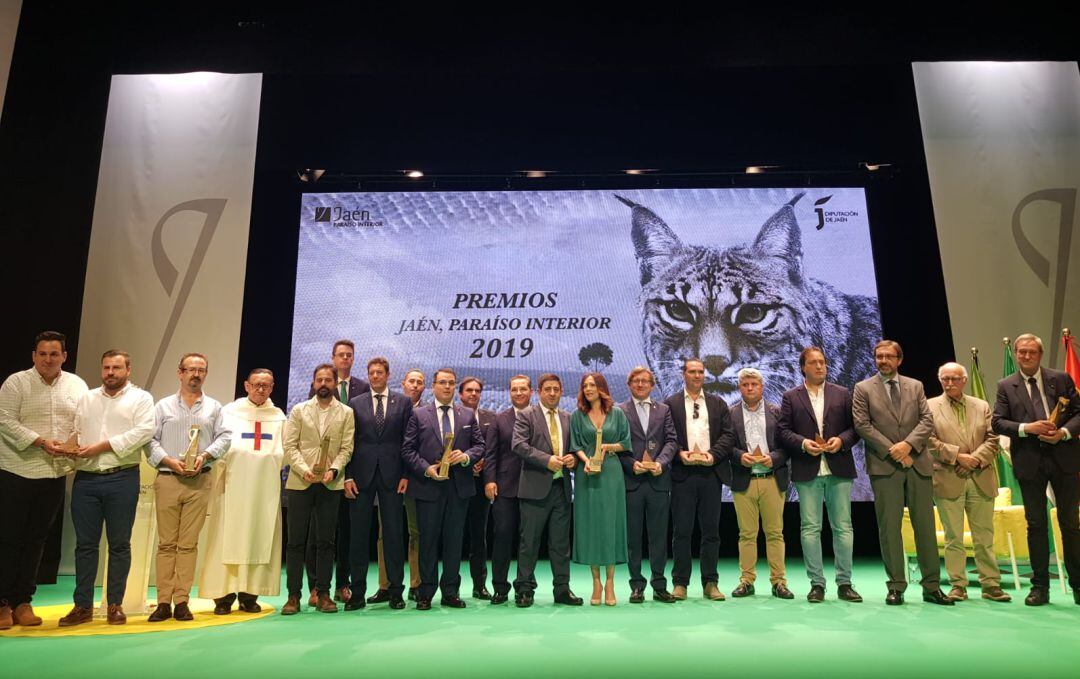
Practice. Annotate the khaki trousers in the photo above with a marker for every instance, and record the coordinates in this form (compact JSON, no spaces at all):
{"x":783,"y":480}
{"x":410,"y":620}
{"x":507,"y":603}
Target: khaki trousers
{"x":414,"y":544}
{"x":181,"y":503}
{"x":980,"y":516}
{"x":761,"y":500}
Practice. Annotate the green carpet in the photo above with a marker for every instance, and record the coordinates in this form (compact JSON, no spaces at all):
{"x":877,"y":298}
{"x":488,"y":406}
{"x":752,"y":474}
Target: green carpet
{"x":760,"y":636}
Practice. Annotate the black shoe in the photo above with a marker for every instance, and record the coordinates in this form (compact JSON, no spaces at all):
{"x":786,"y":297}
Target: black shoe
{"x":567,"y":598}
{"x":663,"y":596}
{"x":848,"y":593}
{"x":938,"y":597}
{"x":1076,"y":596}
{"x":182,"y":612}
{"x":355,"y":603}
{"x":1038,"y":596}
{"x":380,"y":596}
{"x":482,"y":594}
{"x":250,"y":605}
{"x":817,"y":594}
{"x":780,"y":591}
{"x":523,"y":599}
{"x":423,"y":604}
{"x":637,"y":596}
{"x":414,"y":594}
{"x":499,"y":598}
{"x":222,"y":607}
{"x":452,"y":601}
{"x":397,"y":603}
{"x":744,"y":589}
{"x":162,"y":612}
{"x":894,"y":598}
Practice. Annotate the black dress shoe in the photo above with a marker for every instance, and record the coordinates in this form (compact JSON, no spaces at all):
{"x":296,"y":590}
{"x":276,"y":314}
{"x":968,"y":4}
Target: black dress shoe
{"x":380,"y":596}
{"x":663,"y":596}
{"x":250,"y":606}
{"x":938,"y":597}
{"x":482,"y":594}
{"x":848,"y":593}
{"x":222,"y":607}
{"x":566,"y":598}
{"x":182,"y":612}
{"x":744,"y":589}
{"x":894,"y":598}
{"x":452,"y":601}
{"x":423,"y":604}
{"x":414,"y":595}
{"x":637,"y":596}
{"x":161,"y":613}
{"x":397,"y":603}
{"x":780,"y":591}
{"x":1038,"y":596}
{"x":523,"y":599}
{"x":355,"y":603}
{"x":499,"y":598}
{"x":816,"y":594}
{"x":1076,"y":596}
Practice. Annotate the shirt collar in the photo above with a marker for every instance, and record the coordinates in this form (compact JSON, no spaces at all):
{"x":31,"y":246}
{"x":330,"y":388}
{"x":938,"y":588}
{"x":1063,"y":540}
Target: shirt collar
{"x":123,"y":390}
{"x":885,"y":380}
{"x":384,"y":393}
{"x":746,"y":406}
{"x":644,"y":401}
{"x":955,"y":402}
{"x":59,"y":376}
{"x":688,"y":397}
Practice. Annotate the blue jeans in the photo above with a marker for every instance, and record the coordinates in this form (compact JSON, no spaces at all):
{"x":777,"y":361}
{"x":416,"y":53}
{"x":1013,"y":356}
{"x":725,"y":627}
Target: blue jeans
{"x":835,"y":493}
{"x":112,"y":499}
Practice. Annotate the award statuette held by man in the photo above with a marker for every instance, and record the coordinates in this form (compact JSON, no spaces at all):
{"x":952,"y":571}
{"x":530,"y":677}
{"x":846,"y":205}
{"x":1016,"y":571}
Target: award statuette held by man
{"x":1059,"y":410}
{"x":647,"y":460}
{"x":596,"y":461}
{"x":323,"y":463}
{"x":696,"y":455}
{"x":758,"y":455}
{"x":819,"y":440}
{"x":444,"y":463}
{"x":192,"y":451}
{"x":71,"y":446}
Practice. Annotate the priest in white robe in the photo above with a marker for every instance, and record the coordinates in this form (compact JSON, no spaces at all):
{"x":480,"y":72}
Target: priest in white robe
{"x":243,"y":554}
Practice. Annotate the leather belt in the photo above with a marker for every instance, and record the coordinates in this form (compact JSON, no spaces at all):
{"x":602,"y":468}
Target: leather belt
{"x":110,"y":470}
{"x":205,"y":469}
{"x":764,"y":475}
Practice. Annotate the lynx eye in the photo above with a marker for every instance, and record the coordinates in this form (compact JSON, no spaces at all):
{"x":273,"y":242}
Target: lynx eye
{"x":678,"y":311}
{"x":754,"y":315}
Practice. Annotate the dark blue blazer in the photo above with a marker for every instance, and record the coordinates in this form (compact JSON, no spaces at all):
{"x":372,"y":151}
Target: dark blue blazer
{"x":797,"y":423}
{"x":740,"y":475}
{"x":423,"y":447}
{"x":662,"y":433}
{"x":373,"y":451}
{"x":501,"y":466}
{"x":723,"y":438}
{"x":1014,"y":407}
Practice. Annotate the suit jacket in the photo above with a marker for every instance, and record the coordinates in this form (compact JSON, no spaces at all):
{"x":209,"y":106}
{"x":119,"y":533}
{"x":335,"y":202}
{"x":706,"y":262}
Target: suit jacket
{"x":423,"y":447}
{"x":949,"y":439}
{"x":740,"y":475}
{"x":532,"y":443}
{"x":303,"y":444}
{"x":486,"y":420}
{"x":720,"y":433}
{"x":357,"y":386}
{"x":374,"y":451}
{"x":501,"y":466}
{"x":662,"y":433}
{"x":798,"y":423}
{"x":880,"y":427}
{"x":1013,"y":407}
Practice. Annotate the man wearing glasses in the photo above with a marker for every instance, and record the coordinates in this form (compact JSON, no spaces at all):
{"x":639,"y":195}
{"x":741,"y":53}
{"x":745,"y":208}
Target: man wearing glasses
{"x":705,"y":439}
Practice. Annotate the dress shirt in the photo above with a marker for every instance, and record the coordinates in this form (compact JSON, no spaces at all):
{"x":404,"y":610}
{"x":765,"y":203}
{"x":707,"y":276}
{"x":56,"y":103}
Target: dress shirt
{"x":324,"y":414}
{"x":644,"y":406}
{"x":754,"y":425}
{"x":174,"y":419}
{"x":1042,"y":392}
{"x":697,"y":430}
{"x":125,"y":420}
{"x":32,"y":408}
{"x":817,"y":404}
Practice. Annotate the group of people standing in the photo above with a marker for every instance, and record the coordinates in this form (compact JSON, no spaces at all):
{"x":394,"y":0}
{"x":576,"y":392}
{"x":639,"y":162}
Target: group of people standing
{"x":596,"y":480}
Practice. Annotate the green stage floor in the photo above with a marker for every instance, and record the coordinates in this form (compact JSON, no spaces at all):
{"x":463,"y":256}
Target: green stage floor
{"x":759,"y":636}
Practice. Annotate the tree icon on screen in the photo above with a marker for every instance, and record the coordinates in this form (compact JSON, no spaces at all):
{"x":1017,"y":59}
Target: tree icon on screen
{"x":595,"y":356}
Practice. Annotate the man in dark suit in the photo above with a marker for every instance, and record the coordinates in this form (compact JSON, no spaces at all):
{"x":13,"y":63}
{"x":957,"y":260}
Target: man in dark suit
{"x":759,"y":481}
{"x":542,"y":440}
{"x":346,"y":388}
{"x":698,"y":470}
{"x":441,"y":502}
{"x":1043,"y":451}
{"x":823,"y":474}
{"x":469,"y":391}
{"x":375,"y":471}
{"x":893,"y":419}
{"x":502,"y":470}
{"x":648,"y":489}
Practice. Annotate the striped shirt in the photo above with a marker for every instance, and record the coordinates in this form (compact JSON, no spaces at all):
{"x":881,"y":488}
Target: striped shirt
{"x":32,"y":408}
{"x":126,"y":421}
{"x":175,"y":419}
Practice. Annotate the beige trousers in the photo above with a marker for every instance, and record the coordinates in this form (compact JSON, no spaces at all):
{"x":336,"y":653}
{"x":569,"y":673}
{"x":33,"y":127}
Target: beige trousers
{"x":181,"y":503}
{"x":761,"y":500}
{"x":980,"y":516}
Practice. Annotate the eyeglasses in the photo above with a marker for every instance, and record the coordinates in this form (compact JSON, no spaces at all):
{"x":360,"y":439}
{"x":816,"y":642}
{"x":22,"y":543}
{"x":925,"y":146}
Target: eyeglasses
{"x":262,"y":387}
{"x":881,"y":356}
{"x":195,"y":371}
{"x":445,"y":383}
{"x":641,"y":380}
{"x":950,"y":378}
{"x":697,"y":410}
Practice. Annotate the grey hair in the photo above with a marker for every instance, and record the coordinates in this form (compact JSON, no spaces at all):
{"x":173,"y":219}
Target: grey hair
{"x":752,"y":373}
{"x":1028,"y":337}
{"x":952,"y":366}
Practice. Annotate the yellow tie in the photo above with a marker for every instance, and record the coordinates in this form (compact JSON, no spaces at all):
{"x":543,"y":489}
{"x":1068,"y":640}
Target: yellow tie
{"x":556,"y":444}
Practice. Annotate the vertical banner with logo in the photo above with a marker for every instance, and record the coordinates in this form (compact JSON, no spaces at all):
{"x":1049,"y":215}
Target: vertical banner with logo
{"x":168,"y":250}
{"x":1002,"y":147}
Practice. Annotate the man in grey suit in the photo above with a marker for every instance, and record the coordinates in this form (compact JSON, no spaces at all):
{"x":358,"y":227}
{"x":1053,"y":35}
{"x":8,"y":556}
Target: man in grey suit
{"x":892,"y":417}
{"x":542,"y":439}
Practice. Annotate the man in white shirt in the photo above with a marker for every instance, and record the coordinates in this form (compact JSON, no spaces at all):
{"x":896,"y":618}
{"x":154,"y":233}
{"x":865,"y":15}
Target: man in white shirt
{"x":114,"y":424}
{"x":37,"y":416}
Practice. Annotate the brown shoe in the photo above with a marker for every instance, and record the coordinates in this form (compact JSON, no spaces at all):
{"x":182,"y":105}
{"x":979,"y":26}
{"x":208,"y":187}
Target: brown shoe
{"x":313,"y":600}
{"x":116,"y":615}
{"x":292,"y":606}
{"x":6,"y":621}
{"x":678,"y":592}
{"x":342,"y":594}
{"x":713,"y":593}
{"x":958,"y":593}
{"x":24,"y":615}
{"x":325,"y":604}
{"x":77,"y":616}
{"x":995,"y":594}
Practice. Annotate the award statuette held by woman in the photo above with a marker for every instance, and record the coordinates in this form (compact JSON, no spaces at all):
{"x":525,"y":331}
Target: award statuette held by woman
{"x":596,"y":461}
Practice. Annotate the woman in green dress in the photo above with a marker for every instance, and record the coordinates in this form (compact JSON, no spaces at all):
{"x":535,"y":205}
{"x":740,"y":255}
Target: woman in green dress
{"x":599,"y":496}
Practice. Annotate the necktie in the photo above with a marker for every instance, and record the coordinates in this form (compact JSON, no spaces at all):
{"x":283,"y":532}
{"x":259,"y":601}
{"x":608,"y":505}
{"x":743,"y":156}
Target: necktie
{"x":446,"y":428}
{"x":961,"y":416}
{"x":380,"y":415}
{"x":556,"y":443}
{"x":894,"y":394}
{"x":343,"y":389}
{"x":1036,"y":399}
{"x":643,"y":415}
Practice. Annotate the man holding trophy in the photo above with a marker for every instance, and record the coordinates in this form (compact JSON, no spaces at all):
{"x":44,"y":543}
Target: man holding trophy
{"x":190,"y":434}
